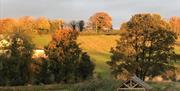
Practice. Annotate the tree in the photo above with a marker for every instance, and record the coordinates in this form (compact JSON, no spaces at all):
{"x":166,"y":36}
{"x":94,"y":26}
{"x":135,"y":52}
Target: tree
{"x":100,"y":21}
{"x":43,"y":25}
{"x":175,"y":24}
{"x":66,"y":59}
{"x":56,"y":24}
{"x":145,"y":48}
{"x":15,"y":60}
{"x":41,"y":72}
{"x":7,"y":25}
{"x":27,"y":24}
{"x":73,"y":25}
{"x":85,"y":67}
{"x":81,"y":25}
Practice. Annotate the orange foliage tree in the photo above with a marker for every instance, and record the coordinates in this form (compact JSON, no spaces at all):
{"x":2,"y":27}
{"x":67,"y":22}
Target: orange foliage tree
{"x":56,"y":24}
{"x":100,"y":21}
{"x":27,"y":24}
{"x":43,"y":25}
{"x":8,"y":25}
{"x":175,"y":24}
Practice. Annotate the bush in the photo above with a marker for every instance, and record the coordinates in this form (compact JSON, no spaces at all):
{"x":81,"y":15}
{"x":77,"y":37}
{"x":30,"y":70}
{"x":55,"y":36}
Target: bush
{"x":15,"y":60}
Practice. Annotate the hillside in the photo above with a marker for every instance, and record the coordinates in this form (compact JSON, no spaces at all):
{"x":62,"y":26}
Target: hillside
{"x":98,"y":47}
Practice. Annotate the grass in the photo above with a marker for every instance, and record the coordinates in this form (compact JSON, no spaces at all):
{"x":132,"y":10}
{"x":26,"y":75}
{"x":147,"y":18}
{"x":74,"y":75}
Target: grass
{"x":97,"y":46}
{"x":41,"y":40}
{"x":92,"y":85}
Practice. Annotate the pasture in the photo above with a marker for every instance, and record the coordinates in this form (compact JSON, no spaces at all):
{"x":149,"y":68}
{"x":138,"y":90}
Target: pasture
{"x":98,"y":47}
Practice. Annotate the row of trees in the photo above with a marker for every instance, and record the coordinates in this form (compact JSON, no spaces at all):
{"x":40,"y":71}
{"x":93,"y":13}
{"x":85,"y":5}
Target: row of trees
{"x":99,"y":21}
{"x":66,"y":62}
{"x":29,"y":24}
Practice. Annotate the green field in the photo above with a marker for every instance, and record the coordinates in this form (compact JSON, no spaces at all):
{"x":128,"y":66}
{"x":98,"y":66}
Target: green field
{"x":98,"y":47}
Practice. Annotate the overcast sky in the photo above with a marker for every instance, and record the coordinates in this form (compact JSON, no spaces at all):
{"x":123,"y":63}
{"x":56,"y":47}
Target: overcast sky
{"x":120,"y":10}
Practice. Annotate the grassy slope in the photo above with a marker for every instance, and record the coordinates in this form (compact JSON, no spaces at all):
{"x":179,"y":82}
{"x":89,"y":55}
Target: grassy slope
{"x":98,"y":46}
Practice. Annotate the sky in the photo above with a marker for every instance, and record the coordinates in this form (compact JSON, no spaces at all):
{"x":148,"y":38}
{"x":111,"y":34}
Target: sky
{"x":119,"y":10}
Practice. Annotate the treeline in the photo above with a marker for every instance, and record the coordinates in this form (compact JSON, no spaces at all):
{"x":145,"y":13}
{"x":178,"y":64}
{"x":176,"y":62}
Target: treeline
{"x":99,"y":22}
{"x":66,"y":62}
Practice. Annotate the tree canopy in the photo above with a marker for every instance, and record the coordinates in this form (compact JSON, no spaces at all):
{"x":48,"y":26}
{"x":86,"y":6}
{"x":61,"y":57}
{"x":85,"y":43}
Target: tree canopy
{"x":145,"y":48}
{"x":67,"y":61}
{"x":15,"y":59}
{"x":100,"y":21}
{"x":175,"y":24}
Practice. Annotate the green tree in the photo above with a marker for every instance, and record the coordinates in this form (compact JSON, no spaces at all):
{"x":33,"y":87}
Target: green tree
{"x":145,"y":48}
{"x":81,"y":24}
{"x":15,"y":60}
{"x":42,"y":73}
{"x":65,"y":58}
{"x":85,"y":67}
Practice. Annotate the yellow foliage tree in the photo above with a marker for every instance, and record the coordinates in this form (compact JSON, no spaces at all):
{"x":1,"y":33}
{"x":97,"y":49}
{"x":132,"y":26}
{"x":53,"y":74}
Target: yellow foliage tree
{"x":27,"y":23}
{"x":43,"y":25}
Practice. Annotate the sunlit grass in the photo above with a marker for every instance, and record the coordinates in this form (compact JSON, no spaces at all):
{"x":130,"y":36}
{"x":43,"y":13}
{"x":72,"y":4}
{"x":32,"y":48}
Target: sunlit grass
{"x":98,"y":47}
{"x":41,"y":40}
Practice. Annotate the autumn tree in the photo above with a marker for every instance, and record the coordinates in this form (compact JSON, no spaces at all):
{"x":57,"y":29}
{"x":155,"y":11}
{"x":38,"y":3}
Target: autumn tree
{"x":56,"y":24}
{"x":175,"y":24}
{"x":27,"y":24}
{"x":8,"y":25}
{"x":145,"y":48}
{"x":15,"y":59}
{"x":42,"y":25}
{"x":100,"y":21}
{"x":67,"y":61}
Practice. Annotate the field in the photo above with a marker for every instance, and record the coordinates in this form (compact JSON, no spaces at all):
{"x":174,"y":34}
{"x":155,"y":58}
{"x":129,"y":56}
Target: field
{"x":98,"y":47}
